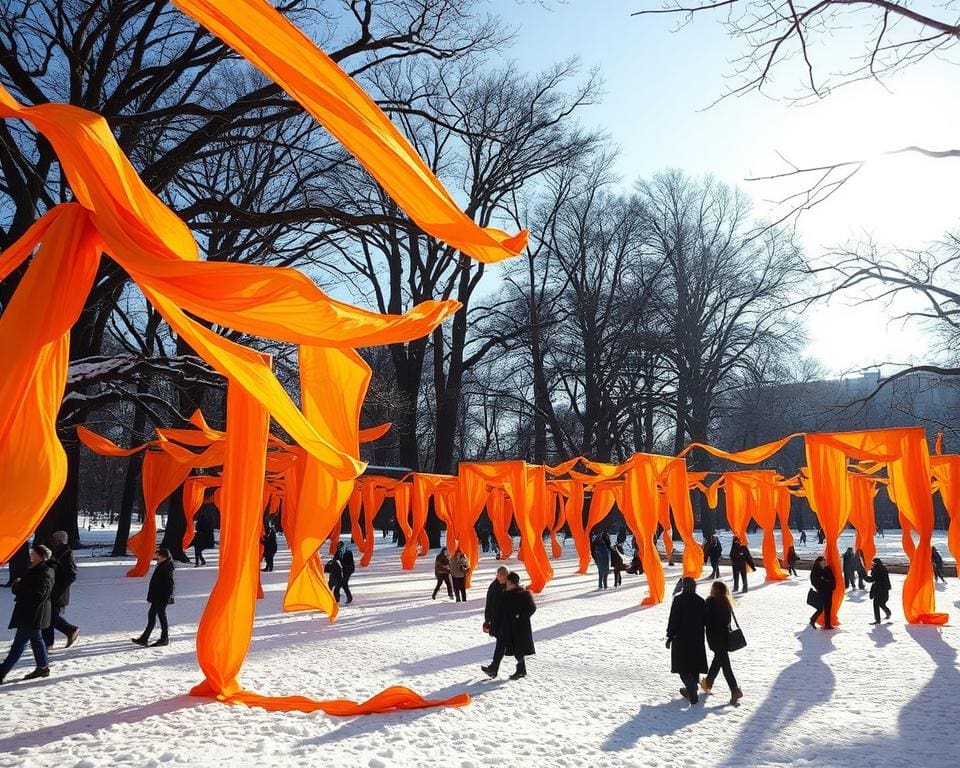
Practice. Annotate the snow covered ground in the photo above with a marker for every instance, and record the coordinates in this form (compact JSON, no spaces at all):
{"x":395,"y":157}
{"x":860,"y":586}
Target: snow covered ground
{"x":599,"y":691}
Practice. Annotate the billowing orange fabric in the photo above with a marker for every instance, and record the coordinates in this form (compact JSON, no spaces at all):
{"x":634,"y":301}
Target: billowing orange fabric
{"x":946,"y":473}
{"x":372,"y":434}
{"x":194,"y":491}
{"x":285,"y":55}
{"x":500,"y":513}
{"x":862,"y":515}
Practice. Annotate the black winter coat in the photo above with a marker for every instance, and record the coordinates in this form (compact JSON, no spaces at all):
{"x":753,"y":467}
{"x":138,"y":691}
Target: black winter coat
{"x":160,"y":591}
{"x":493,"y":608}
{"x":718,"y":623}
{"x":65,"y":573}
{"x":849,"y":564}
{"x":441,"y":566}
{"x":347,"y":564}
{"x":269,"y":543}
{"x":715,"y":552}
{"x":32,"y":608}
{"x":685,"y":630}
{"x":880,"y":590}
{"x":740,"y":557}
{"x":823,"y":579}
{"x":514,"y":628}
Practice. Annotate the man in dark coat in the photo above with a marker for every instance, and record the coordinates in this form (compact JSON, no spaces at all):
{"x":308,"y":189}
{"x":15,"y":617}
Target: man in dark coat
{"x":159,"y":595}
{"x":740,"y":559}
{"x":849,"y":569}
{"x":202,"y":539}
{"x":514,"y":624}
{"x":880,"y":589}
{"x":492,"y":616}
{"x":17,"y":565}
{"x":937,"y":559}
{"x":269,"y":541}
{"x":65,"y":573}
{"x":685,"y":634}
{"x":32,"y":613}
{"x":601,"y":556}
{"x":823,"y":580}
{"x":347,"y":566}
{"x":715,"y":552}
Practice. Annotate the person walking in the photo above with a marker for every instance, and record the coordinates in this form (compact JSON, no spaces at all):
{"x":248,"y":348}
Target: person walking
{"x":792,"y":560}
{"x":441,"y":569}
{"x":937,"y":559}
{"x":740,"y":559}
{"x":202,"y":539}
{"x":347,"y":566}
{"x":159,"y":595}
{"x":879,"y":589}
{"x":824,"y":582}
{"x":719,"y":613}
{"x":269,"y":541}
{"x":64,"y":574}
{"x":493,"y":610}
{"x":518,"y":607}
{"x":849,"y":569}
{"x":861,"y":566}
{"x":601,"y":556}
{"x":32,"y":613}
{"x":459,"y":567}
{"x":685,"y":633}
{"x":617,"y":563}
{"x":803,"y":537}
{"x":715,"y":552}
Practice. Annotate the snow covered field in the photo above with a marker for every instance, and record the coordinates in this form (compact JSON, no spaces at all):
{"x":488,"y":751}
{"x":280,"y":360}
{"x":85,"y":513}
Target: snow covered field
{"x":599,"y":691}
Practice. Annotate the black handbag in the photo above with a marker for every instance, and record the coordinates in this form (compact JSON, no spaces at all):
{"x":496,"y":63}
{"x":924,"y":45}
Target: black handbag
{"x":735,"y":638}
{"x":813,"y":599}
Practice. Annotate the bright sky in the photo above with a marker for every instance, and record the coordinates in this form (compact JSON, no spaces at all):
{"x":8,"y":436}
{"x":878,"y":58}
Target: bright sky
{"x":658,"y":85}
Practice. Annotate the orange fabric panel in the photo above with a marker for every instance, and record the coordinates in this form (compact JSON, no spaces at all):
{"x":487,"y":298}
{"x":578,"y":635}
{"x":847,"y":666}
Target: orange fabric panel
{"x":372,"y":497}
{"x":640,"y":500}
{"x":676,"y":482}
{"x":223,"y":636}
{"x":371,"y":434}
{"x":663,"y":518}
{"x":101,"y":445}
{"x":946,"y":471}
{"x":193,"y":493}
{"x":749,"y":456}
{"x":862,"y":515}
{"x":782,"y":502}
{"x":285,"y":55}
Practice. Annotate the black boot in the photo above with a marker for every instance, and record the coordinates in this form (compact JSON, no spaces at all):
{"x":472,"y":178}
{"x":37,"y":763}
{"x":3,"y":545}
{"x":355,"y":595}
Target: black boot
{"x":38,"y":672}
{"x":164,"y":640}
{"x":140,"y":641}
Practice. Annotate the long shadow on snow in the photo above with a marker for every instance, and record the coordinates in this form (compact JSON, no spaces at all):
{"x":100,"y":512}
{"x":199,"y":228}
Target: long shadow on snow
{"x":89,"y":724}
{"x":485,"y":651}
{"x":806,"y":683}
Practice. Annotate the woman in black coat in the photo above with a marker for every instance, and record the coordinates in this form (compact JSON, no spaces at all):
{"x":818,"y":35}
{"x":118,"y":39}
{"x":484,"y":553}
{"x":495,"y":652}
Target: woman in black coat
{"x":823,"y":580}
{"x":685,"y":630}
{"x":269,"y":541}
{"x":159,"y":595}
{"x":719,"y":614}
{"x":880,"y":589}
{"x":514,"y":628}
{"x":32,"y":612}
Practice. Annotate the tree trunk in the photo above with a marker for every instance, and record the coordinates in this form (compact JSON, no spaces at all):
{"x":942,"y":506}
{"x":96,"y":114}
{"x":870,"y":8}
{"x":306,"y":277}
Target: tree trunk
{"x":62,"y":515}
{"x":131,"y":485}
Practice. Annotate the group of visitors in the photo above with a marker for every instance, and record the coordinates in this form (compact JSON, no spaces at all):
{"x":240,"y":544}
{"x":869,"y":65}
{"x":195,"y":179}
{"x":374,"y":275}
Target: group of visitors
{"x":41,"y":588}
{"x":824,"y":584}
{"x":608,"y":555}
{"x":451,"y":572}
{"x":339,"y":569}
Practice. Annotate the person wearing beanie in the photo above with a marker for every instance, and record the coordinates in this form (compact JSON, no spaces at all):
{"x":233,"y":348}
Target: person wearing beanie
{"x":879,"y":589}
{"x":492,"y":616}
{"x":513,"y":628}
{"x":64,"y":574}
{"x":32,"y":612}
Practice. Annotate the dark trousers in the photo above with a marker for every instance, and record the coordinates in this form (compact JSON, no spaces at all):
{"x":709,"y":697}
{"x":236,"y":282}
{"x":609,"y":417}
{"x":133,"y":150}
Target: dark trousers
{"x":721,"y":660}
{"x":198,"y":558}
{"x":849,"y":580}
{"x":938,"y":573}
{"x":58,"y":623}
{"x":879,"y":603}
{"x":792,"y":570}
{"x":739,"y":575}
{"x":23,"y":636}
{"x":617,"y":577}
{"x":442,"y":579}
{"x":689,"y":680}
{"x":460,"y":588}
{"x":716,"y":569}
{"x":602,"y":575}
{"x":157,"y":611}
{"x":498,"y":652}
{"x":826,"y":608}
{"x":268,"y":561}
{"x":343,"y":584}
